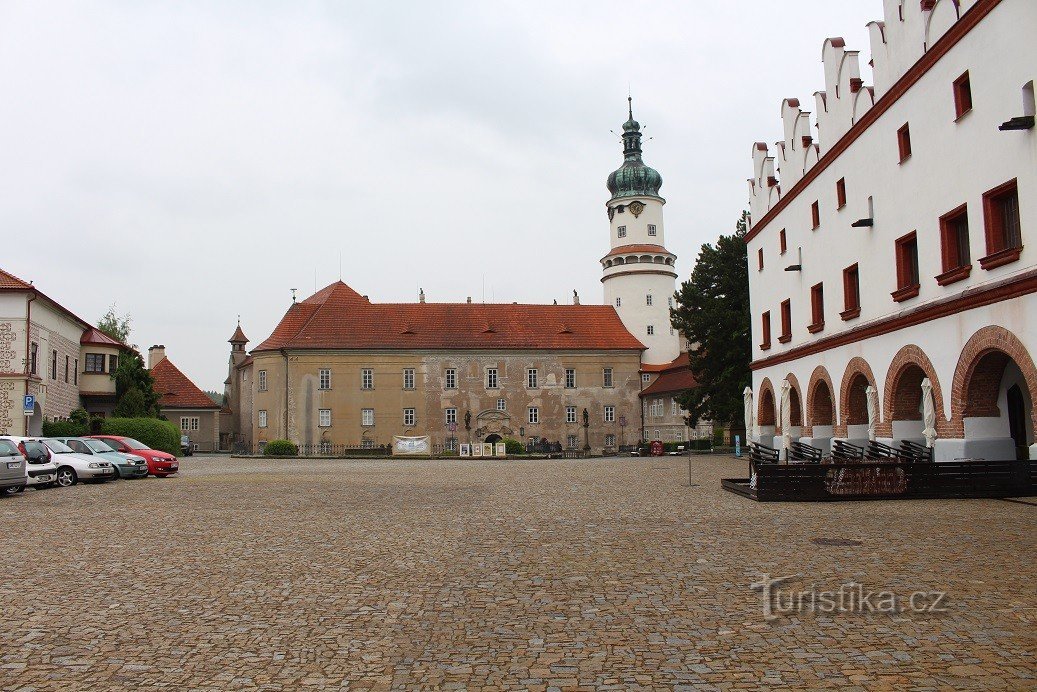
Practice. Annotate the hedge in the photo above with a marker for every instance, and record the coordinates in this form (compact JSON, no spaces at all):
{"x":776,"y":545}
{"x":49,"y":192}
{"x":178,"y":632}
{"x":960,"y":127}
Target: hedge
{"x":280,"y":448}
{"x":63,"y":428}
{"x":513,"y":446}
{"x":155,"y":433}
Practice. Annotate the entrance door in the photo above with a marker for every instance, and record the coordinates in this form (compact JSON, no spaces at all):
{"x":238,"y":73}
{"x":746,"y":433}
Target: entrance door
{"x":1018,"y":418}
{"x":494,"y":439}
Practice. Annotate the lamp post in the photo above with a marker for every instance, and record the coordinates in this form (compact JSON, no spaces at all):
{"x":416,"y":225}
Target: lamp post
{"x":586,"y":431}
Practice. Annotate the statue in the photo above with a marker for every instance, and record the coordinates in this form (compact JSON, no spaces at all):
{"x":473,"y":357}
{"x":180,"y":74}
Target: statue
{"x":467,"y":420}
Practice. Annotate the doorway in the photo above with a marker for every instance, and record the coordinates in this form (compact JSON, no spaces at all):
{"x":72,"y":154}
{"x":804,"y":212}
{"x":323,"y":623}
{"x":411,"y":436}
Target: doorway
{"x":494,"y":439}
{"x":1017,"y":419}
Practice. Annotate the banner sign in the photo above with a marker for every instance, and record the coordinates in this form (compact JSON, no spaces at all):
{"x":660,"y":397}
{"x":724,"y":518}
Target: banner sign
{"x":410,"y":446}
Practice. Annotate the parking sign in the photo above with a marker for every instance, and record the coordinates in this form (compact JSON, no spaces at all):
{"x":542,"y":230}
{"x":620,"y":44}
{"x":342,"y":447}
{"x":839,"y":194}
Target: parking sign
{"x":29,"y":404}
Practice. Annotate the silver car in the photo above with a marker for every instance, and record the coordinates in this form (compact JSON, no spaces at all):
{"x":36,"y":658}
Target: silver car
{"x":40,"y":471}
{"x":12,"y":468}
{"x":73,"y":467}
{"x":125,"y":465}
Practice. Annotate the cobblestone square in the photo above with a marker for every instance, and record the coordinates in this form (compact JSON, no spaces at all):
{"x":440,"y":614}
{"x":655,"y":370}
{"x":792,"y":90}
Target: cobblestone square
{"x":583,"y":574}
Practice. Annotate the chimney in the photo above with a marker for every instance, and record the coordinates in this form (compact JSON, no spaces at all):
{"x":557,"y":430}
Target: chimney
{"x":421,"y":296}
{"x":469,"y":300}
{"x":156,"y":354}
{"x":576,"y":298}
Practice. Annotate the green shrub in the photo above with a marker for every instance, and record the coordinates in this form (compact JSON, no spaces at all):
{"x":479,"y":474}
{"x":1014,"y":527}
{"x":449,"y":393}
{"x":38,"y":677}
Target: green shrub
{"x":718,"y":437}
{"x":155,"y":433}
{"x":63,"y":428}
{"x":280,"y":448}
{"x":513,"y":446}
{"x":79,"y":416}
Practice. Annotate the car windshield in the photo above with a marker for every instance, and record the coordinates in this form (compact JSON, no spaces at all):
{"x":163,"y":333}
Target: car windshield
{"x":8,"y":449}
{"x":58,"y":447}
{"x":133,"y":444}
{"x":97,"y":446}
{"x":34,"y":448}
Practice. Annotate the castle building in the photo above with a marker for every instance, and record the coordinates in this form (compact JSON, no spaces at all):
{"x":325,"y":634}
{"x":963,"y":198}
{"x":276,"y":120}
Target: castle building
{"x":892,"y":291}
{"x":341,"y":370}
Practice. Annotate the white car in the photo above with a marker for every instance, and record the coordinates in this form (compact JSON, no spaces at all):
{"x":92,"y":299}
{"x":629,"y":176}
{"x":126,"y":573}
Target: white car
{"x":73,"y":467}
{"x":40,"y":469}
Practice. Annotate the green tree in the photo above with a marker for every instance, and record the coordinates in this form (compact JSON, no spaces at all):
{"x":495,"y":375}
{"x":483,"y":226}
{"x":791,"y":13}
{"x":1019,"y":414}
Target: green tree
{"x":114,"y":326}
{"x":131,"y":375}
{"x":131,"y":405}
{"x":216,"y":397}
{"x":712,"y":311}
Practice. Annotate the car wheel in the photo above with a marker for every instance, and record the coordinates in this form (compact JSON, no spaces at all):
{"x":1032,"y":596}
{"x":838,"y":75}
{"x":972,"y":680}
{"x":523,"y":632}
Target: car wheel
{"x":14,"y":490}
{"x":66,"y":477}
{"x":116,"y":475}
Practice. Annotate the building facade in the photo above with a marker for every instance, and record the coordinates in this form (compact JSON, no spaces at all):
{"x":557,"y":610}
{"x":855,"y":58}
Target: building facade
{"x":890,"y":254}
{"x":183,"y":404}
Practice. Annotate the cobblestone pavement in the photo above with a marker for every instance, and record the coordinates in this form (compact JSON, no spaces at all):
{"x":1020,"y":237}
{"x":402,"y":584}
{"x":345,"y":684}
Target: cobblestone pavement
{"x":283,"y":575}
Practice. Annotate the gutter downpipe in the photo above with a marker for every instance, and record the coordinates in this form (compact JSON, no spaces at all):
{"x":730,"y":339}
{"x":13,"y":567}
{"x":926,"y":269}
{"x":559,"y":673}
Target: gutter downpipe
{"x":285,"y":354}
{"x":28,"y":356}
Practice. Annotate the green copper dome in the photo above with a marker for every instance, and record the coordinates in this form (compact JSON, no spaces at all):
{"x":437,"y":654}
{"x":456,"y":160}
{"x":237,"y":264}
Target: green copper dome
{"x":633,"y":178}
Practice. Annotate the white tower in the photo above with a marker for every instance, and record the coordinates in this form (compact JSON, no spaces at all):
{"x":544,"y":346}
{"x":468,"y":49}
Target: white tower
{"x":638,"y":272}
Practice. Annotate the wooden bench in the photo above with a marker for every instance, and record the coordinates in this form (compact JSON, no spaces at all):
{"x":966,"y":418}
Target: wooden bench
{"x":844,"y":451}
{"x":804,"y":452}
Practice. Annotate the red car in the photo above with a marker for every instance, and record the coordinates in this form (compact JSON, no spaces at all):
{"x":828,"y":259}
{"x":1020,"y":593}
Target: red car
{"x":160,"y":464}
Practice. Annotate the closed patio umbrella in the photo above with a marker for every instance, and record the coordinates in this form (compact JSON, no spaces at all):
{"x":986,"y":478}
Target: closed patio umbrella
{"x":928,"y":412}
{"x":750,"y":414}
{"x":786,"y":416}
{"x":873,"y":411}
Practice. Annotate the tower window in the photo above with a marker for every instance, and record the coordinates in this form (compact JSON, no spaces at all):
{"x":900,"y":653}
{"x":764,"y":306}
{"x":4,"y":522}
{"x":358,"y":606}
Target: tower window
{"x":651,"y":330}
{"x":651,"y":229}
{"x":840,"y":192}
{"x":904,"y":142}
{"x":962,"y":95}
{"x":619,"y":302}
{"x":782,"y":245}
{"x":815,"y":215}
{"x":648,"y":299}
{"x":621,"y":231}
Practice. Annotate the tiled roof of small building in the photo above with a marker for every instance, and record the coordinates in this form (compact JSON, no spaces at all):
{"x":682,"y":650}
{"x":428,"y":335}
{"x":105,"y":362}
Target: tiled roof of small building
{"x":8,"y":280}
{"x":675,"y":377}
{"x":337,"y":317}
{"x":93,"y":335}
{"x":176,"y":390}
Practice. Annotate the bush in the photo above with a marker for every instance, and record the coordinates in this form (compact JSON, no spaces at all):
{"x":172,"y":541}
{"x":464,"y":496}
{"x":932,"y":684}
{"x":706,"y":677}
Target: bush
{"x":63,"y":428}
{"x":513,"y":446}
{"x":79,"y":416}
{"x":155,"y":433}
{"x":718,"y":437}
{"x":280,"y":448}
{"x":131,"y":405}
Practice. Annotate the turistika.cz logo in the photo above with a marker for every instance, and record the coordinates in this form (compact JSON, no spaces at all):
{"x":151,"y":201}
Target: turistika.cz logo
{"x":780,"y":599}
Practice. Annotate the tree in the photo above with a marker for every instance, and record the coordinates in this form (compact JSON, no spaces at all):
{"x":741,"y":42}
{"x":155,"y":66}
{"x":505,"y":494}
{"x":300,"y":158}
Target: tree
{"x":114,"y":326}
{"x":131,"y":375}
{"x":131,"y":405}
{"x":712,"y":311}
{"x":216,"y":397}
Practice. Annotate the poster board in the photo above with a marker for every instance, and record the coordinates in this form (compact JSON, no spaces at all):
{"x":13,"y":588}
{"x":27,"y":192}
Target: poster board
{"x":465,"y":450}
{"x":487,"y":449}
{"x":477,"y":450}
{"x":411,"y":446}
{"x":501,"y":450}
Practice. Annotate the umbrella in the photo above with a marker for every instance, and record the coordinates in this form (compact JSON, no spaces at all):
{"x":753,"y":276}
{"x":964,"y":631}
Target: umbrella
{"x":873,"y":410}
{"x":786,"y":416}
{"x":750,"y":417}
{"x":928,"y":412}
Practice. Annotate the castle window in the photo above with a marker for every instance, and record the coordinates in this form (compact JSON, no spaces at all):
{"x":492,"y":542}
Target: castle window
{"x":367,"y":378}
{"x":815,"y":215}
{"x":570,"y":414}
{"x":113,"y":362}
{"x":450,"y":378}
{"x":502,"y":405}
{"x":781,"y":241}
{"x":759,"y":260}
{"x":962,"y":95}
{"x":646,"y":378}
{"x":651,"y":229}
{"x":907,"y":267}
{"x":491,"y":378}
{"x":572,"y":441}
{"x":786,"y":321}
{"x":610,"y":414}
{"x":669,"y":302}
{"x":367,"y":417}
{"x":817,"y":308}
{"x":262,"y":375}
{"x":610,"y":440}
{"x":651,"y":329}
{"x":954,"y":242}
{"x":570,"y":378}
{"x":324,"y":418}
{"x":766,"y":329}
{"x":262,"y":419}
{"x":621,"y":232}
{"x":408,"y":378}
{"x":648,"y":299}
{"x":94,"y":361}
{"x":54,"y":364}
{"x":66,"y":369}
{"x":904,"y":142}
{"x":451,"y":416}
{"x":324,"y":376}
{"x":1003,"y":227}
{"x":606,"y":377}
{"x":534,"y":415}
{"x":75,"y":372}
{"x":851,"y":293}
{"x":408,"y":417}
{"x":840,"y":193}
{"x":619,"y":302}
{"x":531,"y":378}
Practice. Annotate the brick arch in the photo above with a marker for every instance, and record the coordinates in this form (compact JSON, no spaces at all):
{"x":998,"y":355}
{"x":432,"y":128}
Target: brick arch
{"x":795,"y":403}
{"x":853,"y":410}
{"x":977,"y":377}
{"x":766,"y":408}
{"x":902,"y":393}
{"x":820,"y":400}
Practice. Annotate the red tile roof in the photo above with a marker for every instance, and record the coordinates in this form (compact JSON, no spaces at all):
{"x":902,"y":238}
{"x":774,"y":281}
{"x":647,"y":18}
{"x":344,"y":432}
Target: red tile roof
{"x":10,"y":281}
{"x":629,"y":249}
{"x":176,"y":390}
{"x":238,"y":337}
{"x":337,"y":317}
{"x":93,"y":335}
{"x":675,"y":377}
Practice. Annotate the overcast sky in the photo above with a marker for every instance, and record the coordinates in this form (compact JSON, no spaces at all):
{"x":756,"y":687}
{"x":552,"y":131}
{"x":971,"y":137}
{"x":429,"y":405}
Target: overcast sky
{"x":194,"y":161}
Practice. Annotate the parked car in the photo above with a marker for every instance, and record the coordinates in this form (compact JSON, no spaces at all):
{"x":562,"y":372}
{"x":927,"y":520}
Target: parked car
{"x":160,"y":463}
{"x":12,"y":468}
{"x":74,"y":467}
{"x":186,"y":448}
{"x":125,"y":465}
{"x":40,"y":469}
